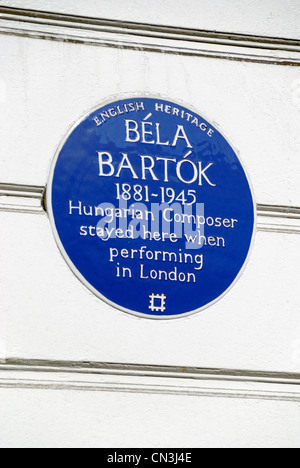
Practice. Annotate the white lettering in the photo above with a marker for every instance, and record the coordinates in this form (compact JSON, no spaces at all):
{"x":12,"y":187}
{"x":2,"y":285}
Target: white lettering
{"x":105,"y":163}
{"x":125,"y":164}
{"x":181,"y":134}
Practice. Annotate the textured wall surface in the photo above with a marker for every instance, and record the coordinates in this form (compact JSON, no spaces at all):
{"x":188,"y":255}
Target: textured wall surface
{"x":261,"y":17}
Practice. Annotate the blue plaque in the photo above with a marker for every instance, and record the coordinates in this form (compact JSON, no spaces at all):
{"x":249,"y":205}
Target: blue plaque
{"x":151,"y":207}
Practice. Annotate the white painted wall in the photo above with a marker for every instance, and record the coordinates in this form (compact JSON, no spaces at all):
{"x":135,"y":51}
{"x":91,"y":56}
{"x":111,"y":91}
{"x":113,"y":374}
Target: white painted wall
{"x":53,"y":418}
{"x":48,"y":314}
{"x":278,"y":18}
{"x":45,"y":312}
{"x":256,"y":106}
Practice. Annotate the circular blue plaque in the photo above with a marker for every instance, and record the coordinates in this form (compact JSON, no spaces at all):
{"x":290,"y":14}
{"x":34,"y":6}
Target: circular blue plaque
{"x":151,"y":207}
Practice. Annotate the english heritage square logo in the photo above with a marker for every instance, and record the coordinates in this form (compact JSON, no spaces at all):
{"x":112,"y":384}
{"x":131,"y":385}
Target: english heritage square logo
{"x":151,"y":207}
